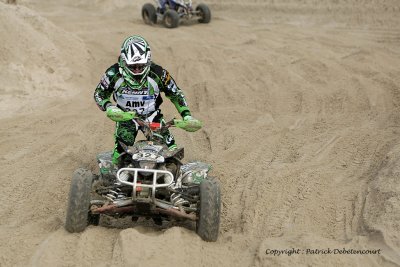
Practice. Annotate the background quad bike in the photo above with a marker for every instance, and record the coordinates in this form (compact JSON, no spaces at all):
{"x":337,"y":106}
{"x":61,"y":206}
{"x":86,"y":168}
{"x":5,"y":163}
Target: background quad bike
{"x":171,"y":17}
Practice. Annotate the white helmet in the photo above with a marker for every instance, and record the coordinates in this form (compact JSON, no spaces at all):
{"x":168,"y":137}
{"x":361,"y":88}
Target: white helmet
{"x":135,"y":60}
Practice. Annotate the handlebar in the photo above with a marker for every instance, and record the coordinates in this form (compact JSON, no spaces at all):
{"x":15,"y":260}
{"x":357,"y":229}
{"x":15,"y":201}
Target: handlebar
{"x":189,"y":125}
{"x":118,"y":115}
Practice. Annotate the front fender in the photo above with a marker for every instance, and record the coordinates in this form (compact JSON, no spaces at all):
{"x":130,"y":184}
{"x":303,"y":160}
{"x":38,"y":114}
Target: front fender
{"x":195,"y":172}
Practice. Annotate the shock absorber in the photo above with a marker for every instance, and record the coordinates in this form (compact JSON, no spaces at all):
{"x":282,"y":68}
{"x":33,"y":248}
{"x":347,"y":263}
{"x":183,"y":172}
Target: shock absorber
{"x":116,"y":194}
{"x":177,"y":200}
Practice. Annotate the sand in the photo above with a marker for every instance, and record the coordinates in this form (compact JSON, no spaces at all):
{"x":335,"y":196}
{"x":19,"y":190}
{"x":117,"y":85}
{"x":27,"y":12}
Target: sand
{"x":301,"y":108}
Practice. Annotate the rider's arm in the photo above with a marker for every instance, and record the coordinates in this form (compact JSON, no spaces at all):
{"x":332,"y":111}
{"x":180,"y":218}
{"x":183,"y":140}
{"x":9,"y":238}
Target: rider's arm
{"x":175,"y":94}
{"x":105,"y":88}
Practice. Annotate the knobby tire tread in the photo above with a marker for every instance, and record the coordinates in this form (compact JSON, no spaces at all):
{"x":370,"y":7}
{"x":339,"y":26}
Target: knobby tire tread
{"x":210,"y":206}
{"x":79,"y":201}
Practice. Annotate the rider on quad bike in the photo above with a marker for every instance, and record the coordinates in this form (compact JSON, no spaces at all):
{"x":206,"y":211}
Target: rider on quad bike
{"x":136,"y":84}
{"x":146,"y":178}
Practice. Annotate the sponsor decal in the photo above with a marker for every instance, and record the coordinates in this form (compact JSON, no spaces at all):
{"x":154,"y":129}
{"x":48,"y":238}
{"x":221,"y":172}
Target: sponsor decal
{"x":97,"y":97}
{"x":134,"y":104}
{"x":129,"y":91}
{"x":105,"y":82}
{"x":136,"y":58}
{"x":169,"y":139}
{"x":172,"y":87}
{"x":165,"y":77}
{"x":148,"y":97}
{"x":168,"y":78}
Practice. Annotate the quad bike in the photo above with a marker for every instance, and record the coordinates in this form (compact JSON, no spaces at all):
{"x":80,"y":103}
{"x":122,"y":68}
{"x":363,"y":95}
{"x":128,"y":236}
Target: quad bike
{"x":170,"y":12}
{"x":150,"y":181}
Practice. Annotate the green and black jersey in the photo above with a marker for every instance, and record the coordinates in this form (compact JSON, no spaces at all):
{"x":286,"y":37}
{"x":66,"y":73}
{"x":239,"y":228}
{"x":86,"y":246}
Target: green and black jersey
{"x":145,"y":100}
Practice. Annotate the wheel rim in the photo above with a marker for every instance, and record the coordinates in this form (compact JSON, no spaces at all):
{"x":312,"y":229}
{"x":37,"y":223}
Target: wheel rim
{"x":201,"y":14}
{"x":146,"y":16}
{"x":168,"y":21}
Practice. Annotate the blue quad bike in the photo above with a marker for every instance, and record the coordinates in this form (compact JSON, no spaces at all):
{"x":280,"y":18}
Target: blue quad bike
{"x":171,"y":12}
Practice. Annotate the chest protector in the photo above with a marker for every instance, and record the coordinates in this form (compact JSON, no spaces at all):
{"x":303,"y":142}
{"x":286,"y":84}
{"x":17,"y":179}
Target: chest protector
{"x":143,"y":100}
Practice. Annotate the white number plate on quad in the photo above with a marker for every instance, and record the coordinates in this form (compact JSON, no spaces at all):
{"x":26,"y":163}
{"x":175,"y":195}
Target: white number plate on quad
{"x":145,"y":156}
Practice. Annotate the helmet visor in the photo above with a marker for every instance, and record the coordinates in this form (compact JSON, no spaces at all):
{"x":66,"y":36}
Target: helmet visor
{"x":136,"y":68}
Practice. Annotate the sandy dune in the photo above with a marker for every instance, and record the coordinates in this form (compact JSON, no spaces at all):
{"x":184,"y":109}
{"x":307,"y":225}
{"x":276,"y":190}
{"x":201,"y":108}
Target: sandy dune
{"x":301,"y":106}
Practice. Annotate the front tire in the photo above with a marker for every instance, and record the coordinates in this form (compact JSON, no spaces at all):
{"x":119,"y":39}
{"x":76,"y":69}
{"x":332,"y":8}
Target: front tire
{"x":149,"y":14}
{"x":171,"y":19}
{"x":204,"y":13}
{"x":209,"y":210}
{"x":79,"y":201}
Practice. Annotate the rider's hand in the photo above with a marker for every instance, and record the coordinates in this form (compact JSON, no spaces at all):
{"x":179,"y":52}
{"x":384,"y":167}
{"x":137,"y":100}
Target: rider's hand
{"x":117,"y":114}
{"x":188,"y":118}
{"x":191,"y":124}
{"x":110,"y":107}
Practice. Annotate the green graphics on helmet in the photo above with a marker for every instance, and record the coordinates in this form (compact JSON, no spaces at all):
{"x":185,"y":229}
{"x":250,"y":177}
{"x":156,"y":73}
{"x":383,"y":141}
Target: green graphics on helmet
{"x":135,"y":60}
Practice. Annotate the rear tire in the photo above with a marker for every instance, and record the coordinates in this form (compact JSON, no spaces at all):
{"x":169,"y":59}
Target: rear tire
{"x":171,"y":19}
{"x":204,"y":13}
{"x":149,"y":14}
{"x":207,"y":225}
{"x":79,"y":201}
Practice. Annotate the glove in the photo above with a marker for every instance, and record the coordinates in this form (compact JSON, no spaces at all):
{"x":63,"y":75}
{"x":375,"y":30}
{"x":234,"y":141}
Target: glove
{"x":117,"y":114}
{"x":111,"y":107}
{"x":108,"y":104}
{"x":189,"y":124}
{"x":188,"y":118}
